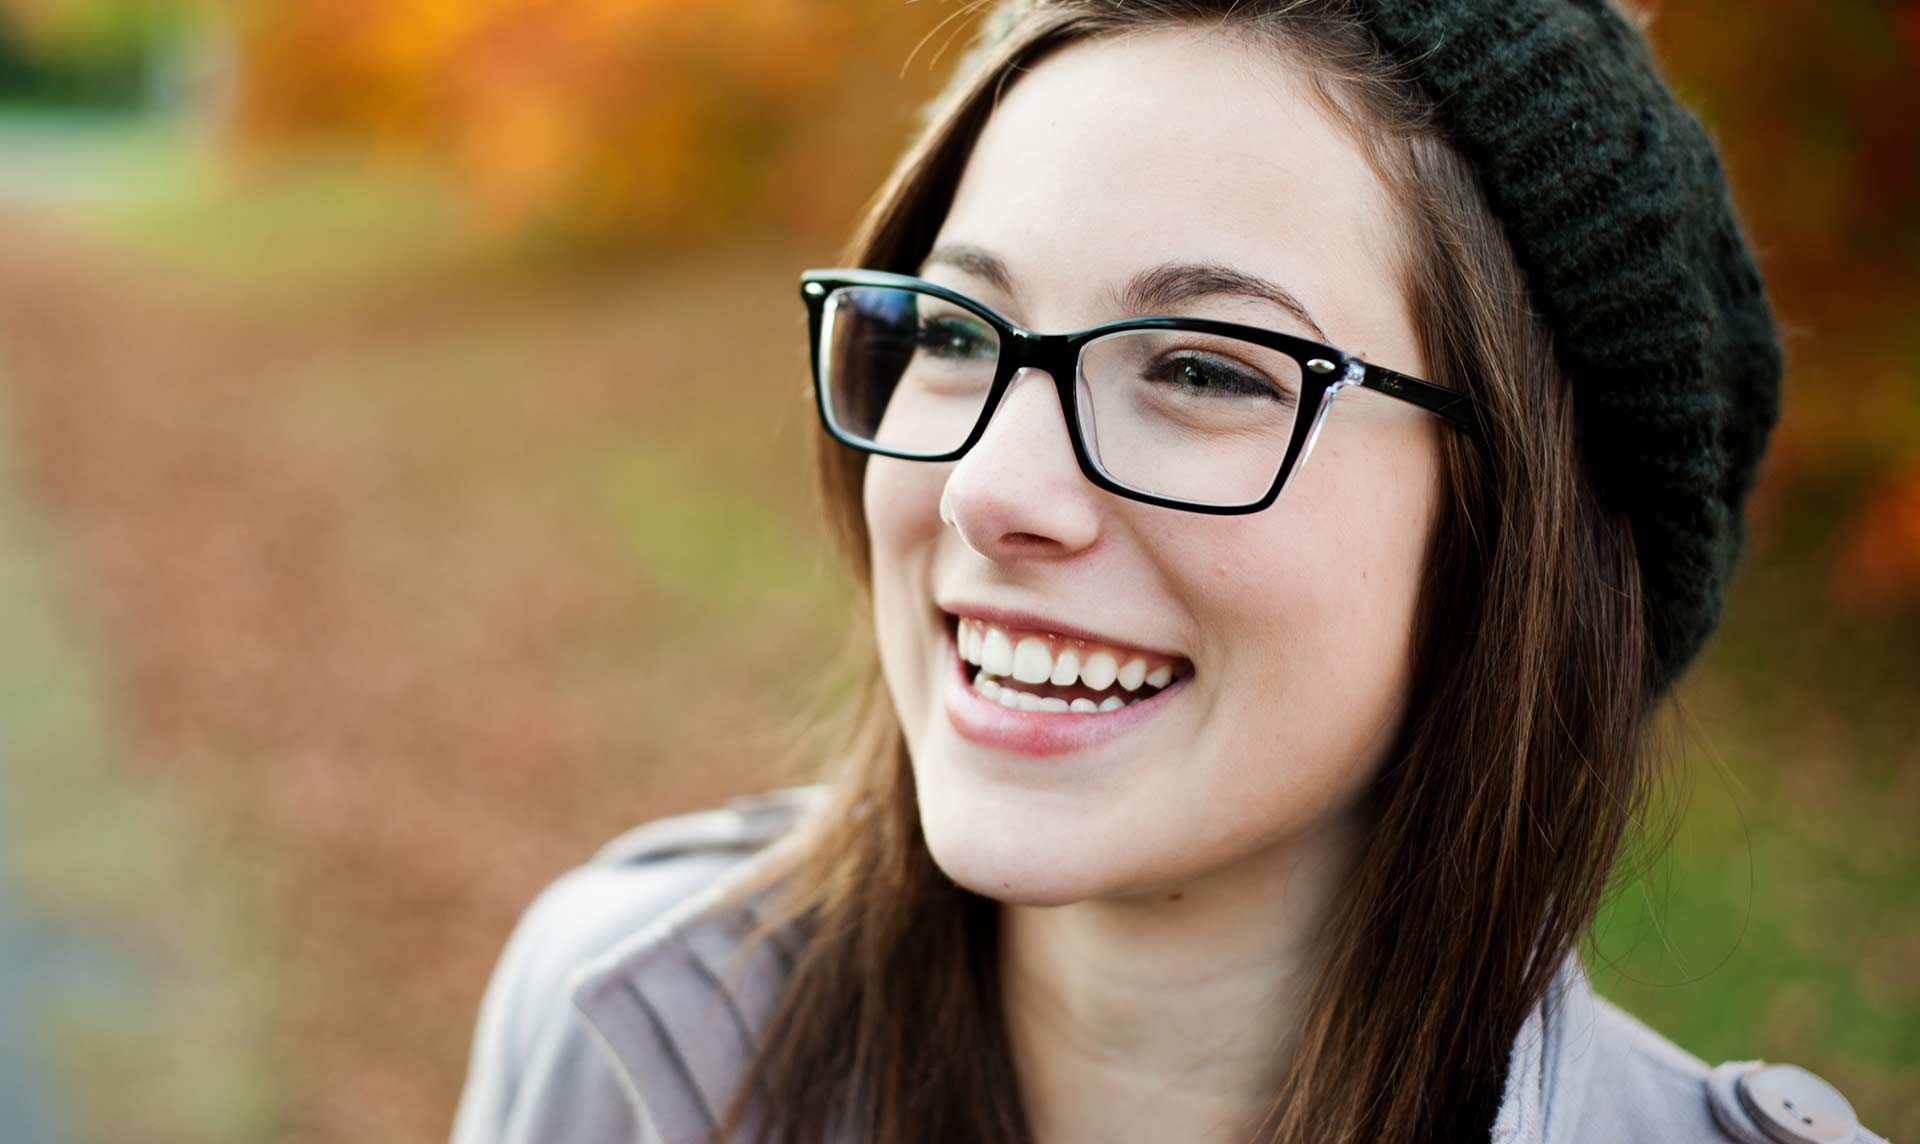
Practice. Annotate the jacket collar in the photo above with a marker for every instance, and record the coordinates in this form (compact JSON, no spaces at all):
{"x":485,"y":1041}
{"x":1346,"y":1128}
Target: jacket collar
{"x":1549,"y":1064}
{"x":674,"y":1009}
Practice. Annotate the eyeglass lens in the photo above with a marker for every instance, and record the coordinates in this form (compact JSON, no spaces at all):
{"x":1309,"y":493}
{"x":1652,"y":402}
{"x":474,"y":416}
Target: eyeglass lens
{"x":1174,"y":413}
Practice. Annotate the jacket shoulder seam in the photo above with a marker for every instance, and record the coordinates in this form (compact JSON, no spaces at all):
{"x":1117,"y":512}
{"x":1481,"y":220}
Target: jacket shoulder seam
{"x":771,"y":834}
{"x":1652,"y":1047}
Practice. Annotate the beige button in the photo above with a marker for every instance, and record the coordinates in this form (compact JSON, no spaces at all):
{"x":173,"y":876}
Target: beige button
{"x":1793,"y":1106}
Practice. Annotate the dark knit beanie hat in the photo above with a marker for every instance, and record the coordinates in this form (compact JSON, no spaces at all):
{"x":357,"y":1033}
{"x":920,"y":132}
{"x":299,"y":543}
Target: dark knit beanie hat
{"x":1613,"y":198}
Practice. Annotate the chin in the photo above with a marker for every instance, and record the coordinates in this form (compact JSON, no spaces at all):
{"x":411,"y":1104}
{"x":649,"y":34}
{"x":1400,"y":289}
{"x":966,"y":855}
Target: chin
{"x":1004,"y":857}
{"x":1008,"y":878}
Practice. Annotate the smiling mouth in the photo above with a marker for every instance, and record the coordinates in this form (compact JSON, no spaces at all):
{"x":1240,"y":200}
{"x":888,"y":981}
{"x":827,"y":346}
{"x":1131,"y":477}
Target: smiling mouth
{"x":1032,"y":670}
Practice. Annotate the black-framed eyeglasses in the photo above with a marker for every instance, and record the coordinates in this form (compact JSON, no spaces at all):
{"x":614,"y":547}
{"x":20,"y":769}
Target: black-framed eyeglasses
{"x":1185,"y":413}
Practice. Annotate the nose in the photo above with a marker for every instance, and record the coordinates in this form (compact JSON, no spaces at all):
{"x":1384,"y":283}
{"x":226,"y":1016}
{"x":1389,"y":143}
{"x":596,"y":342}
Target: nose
{"x":1019,"y":492}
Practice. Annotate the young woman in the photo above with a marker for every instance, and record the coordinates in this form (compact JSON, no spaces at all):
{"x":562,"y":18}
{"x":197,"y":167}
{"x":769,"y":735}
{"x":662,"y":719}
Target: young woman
{"x":1290,"y":449}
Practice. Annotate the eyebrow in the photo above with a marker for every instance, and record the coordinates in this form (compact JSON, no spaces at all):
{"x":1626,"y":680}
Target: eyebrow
{"x":1157,"y":288}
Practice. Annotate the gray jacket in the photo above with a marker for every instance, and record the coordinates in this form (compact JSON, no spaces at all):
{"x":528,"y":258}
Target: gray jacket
{"x":617,"y":1013}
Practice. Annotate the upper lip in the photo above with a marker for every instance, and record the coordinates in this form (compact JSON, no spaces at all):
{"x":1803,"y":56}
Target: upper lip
{"x":1014,"y":618}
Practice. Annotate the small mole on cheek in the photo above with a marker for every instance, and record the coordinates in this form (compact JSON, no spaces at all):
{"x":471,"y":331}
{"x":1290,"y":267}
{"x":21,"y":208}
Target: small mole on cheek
{"x":1176,"y":895}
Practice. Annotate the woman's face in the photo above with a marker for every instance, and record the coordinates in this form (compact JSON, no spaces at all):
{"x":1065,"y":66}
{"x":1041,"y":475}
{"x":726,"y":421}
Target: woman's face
{"x":1287,"y":631}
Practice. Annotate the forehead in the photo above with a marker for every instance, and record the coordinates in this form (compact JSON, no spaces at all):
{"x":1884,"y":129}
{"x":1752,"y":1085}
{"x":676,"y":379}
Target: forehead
{"x":1173,"y":145}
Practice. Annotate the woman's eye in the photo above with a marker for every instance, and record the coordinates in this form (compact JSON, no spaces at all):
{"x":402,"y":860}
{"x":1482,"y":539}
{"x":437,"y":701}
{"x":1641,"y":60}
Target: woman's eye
{"x":1211,"y":377}
{"x":956,"y":337}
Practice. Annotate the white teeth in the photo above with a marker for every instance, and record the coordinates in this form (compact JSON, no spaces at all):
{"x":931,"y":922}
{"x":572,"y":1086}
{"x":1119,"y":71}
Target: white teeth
{"x":1099,"y":671}
{"x":996,"y":654}
{"x":1015,"y":699}
{"x":1031,"y":661}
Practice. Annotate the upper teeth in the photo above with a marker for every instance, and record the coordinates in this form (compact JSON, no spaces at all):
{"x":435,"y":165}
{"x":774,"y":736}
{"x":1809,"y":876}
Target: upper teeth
{"x":1035,"y":657}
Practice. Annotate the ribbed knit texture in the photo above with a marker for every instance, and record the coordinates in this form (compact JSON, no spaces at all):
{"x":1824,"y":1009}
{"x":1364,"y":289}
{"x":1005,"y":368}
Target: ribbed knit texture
{"x":1617,"y":208}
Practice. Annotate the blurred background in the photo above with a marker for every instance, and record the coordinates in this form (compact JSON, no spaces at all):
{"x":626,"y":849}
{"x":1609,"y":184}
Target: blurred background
{"x":402,"y":439}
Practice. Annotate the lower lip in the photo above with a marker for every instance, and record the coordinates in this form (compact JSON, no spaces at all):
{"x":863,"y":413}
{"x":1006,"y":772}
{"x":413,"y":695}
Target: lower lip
{"x":980,"y":720}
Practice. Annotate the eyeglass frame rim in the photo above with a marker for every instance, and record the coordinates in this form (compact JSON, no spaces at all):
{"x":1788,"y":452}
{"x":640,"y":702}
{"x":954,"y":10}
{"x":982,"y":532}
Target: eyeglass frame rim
{"x":1021,"y":348}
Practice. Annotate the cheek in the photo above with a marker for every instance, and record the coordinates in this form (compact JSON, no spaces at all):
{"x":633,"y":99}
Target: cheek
{"x":1314,"y":607}
{"x":900,"y":500}
{"x":1296,"y":595}
{"x":901,"y":503}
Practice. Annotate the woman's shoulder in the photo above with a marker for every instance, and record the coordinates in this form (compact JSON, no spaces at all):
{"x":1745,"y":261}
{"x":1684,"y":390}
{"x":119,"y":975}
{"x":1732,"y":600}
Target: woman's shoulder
{"x":646,"y":879}
{"x":1641,"y":1086}
{"x":533,"y":1060}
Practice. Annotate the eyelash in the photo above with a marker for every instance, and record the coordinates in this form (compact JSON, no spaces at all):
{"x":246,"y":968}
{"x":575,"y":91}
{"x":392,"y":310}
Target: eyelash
{"x":1243,"y":382}
{"x":928,"y":329}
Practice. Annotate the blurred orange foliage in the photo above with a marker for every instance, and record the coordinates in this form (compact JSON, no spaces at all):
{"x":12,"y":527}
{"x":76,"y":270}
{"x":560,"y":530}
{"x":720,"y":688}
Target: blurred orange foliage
{"x":642,"y":119}
{"x":1881,"y":560}
{"x":649,"y":121}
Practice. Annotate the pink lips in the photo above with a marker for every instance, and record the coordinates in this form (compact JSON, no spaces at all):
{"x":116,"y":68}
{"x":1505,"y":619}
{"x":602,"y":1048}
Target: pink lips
{"x":978,"y":719}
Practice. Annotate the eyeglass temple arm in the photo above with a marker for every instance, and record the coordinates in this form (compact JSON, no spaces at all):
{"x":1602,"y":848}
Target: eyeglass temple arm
{"x":1456,"y":407}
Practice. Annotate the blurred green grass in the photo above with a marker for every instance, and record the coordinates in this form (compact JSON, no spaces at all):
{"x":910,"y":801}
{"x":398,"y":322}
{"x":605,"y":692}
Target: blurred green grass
{"x":554,"y":475}
{"x":1783,"y":922}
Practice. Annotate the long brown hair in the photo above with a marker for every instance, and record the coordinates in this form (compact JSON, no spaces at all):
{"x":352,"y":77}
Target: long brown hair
{"x":1492,"y":827}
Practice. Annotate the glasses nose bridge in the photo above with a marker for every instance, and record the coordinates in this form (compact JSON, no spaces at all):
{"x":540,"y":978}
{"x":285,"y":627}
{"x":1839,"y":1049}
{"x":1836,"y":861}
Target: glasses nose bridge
{"x":1055,"y":354}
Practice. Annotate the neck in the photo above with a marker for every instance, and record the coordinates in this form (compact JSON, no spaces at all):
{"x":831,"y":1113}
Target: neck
{"x":1167,"y":1015}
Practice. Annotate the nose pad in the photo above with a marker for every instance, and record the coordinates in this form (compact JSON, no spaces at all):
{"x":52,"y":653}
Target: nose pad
{"x":1020,"y":391}
{"x":1019,"y":490}
{"x":1028,"y":435}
